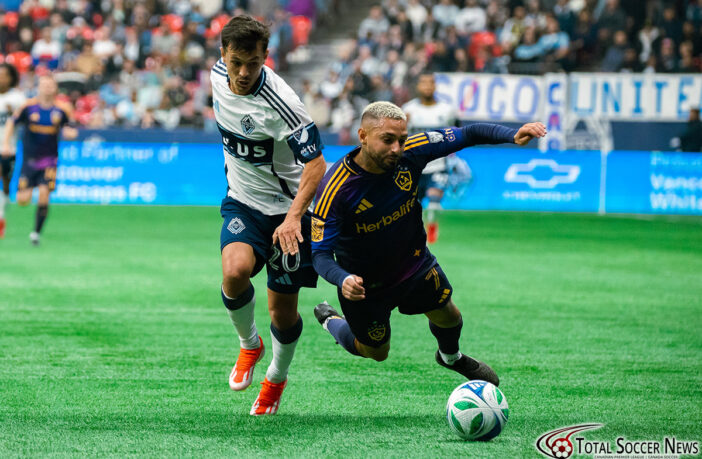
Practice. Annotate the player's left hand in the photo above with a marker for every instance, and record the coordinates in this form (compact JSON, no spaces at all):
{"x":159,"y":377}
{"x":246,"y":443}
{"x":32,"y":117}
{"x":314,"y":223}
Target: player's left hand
{"x":289,"y":233}
{"x":69,"y":133}
{"x":528,"y":132}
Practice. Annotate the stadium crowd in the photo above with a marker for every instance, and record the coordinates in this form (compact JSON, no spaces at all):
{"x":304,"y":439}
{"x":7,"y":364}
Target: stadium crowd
{"x":400,"y":39}
{"x":146,"y":62}
{"x":140,"y":62}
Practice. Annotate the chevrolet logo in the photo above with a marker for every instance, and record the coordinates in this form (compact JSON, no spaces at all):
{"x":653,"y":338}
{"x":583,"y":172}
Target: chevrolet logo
{"x":363,"y":205}
{"x":527,"y":173}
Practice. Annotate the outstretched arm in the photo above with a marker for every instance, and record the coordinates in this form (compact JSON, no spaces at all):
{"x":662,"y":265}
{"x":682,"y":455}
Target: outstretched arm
{"x":529,"y":131}
{"x":431,"y":145}
{"x":486,"y":133}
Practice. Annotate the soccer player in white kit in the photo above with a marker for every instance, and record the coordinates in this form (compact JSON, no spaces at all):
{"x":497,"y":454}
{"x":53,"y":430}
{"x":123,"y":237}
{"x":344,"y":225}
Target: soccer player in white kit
{"x":273,"y":163}
{"x":425,"y":113}
{"x":11,"y":99}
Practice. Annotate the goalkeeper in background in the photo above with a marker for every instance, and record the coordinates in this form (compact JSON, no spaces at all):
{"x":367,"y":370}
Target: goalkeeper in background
{"x":425,"y":113}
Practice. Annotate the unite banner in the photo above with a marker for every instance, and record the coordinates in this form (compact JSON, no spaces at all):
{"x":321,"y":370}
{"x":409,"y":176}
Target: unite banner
{"x":608,"y":96}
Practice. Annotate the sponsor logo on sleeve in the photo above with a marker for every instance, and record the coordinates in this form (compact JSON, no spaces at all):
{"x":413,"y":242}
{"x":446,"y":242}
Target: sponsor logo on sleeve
{"x":317,"y":230}
{"x":435,"y":137}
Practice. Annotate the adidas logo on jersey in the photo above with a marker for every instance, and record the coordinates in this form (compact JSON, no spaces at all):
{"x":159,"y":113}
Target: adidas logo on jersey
{"x":284,"y":279}
{"x":363,"y":205}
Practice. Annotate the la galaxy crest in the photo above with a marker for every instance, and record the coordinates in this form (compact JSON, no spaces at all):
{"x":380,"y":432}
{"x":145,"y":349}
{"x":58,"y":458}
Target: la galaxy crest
{"x":403,"y":179}
{"x":247,"y":124}
{"x":376,"y":331}
{"x":55,"y":117}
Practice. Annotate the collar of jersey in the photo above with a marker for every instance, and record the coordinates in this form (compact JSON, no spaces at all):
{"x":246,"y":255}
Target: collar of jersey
{"x":354,"y":167}
{"x":350,"y":164}
{"x":260,"y":81}
{"x":259,"y":84}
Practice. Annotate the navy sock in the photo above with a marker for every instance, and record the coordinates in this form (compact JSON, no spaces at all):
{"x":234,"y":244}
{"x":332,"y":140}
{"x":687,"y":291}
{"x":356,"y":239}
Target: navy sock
{"x":289,"y":335}
{"x":447,"y":337}
{"x":42,"y":212}
{"x":240,"y":301}
{"x":343,"y":335}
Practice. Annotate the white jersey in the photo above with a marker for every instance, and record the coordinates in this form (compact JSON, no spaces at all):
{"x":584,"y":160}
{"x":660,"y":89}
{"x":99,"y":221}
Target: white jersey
{"x":267,"y":137}
{"x":424,"y":118}
{"x":10,"y":101}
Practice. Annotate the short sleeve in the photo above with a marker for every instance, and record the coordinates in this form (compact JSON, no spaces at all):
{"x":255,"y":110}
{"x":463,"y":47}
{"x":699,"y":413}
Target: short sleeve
{"x":21,"y":115}
{"x":304,"y":139}
{"x":306,"y":143}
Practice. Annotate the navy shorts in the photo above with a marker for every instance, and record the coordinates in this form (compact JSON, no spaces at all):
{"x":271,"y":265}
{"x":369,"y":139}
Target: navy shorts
{"x":31,"y":177}
{"x":369,"y":319}
{"x":286,"y":274}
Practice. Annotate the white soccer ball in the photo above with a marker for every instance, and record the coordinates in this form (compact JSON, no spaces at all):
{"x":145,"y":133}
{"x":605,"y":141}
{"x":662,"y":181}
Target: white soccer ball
{"x":477,"y":410}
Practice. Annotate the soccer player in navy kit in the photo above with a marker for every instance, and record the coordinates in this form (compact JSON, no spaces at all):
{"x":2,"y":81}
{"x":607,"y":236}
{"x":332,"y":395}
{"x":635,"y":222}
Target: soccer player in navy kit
{"x":367,"y":217}
{"x":45,"y":120}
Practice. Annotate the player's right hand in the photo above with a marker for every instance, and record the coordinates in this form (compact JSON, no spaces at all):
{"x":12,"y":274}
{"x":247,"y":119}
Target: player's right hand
{"x":529,"y":131}
{"x":353,"y":289}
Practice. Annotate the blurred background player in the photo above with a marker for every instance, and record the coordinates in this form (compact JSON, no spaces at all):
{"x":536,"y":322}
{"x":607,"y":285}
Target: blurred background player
{"x":11,"y":99}
{"x":369,"y":241}
{"x":691,"y":139}
{"x":44,"y":119}
{"x":273,"y":163}
{"x":426,"y":113}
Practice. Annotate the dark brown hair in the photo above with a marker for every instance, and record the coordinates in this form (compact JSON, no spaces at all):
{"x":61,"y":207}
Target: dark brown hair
{"x":243,"y":33}
{"x":14,"y":75}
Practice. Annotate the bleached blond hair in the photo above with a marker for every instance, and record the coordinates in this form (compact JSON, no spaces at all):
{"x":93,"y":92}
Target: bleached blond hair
{"x":383,"y":110}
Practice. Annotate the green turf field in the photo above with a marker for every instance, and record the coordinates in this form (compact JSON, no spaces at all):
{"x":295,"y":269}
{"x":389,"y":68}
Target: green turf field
{"x":114,"y":341}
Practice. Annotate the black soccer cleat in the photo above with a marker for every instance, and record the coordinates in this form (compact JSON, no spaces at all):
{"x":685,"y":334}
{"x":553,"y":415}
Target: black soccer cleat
{"x":323,"y":311}
{"x":470,"y":368}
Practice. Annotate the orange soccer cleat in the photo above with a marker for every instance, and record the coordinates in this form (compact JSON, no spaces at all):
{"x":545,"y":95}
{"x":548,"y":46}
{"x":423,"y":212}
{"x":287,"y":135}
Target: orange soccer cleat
{"x":432,"y":232}
{"x":268,"y":399}
{"x":242,"y":373}
{"x":2,"y":228}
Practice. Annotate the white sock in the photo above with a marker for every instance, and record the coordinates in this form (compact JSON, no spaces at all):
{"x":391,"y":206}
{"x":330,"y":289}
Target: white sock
{"x":243,"y":320}
{"x":450,"y":359}
{"x":3,"y":204}
{"x":432,"y":209}
{"x":282,"y":357}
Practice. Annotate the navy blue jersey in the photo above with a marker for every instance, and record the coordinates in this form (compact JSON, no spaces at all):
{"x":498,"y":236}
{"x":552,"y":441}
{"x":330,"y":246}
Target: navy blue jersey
{"x":43,"y":127}
{"x":372,"y":223}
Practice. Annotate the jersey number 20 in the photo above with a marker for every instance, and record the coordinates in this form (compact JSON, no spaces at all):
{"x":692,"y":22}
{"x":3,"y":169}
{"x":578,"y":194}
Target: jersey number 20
{"x":284,"y":260}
